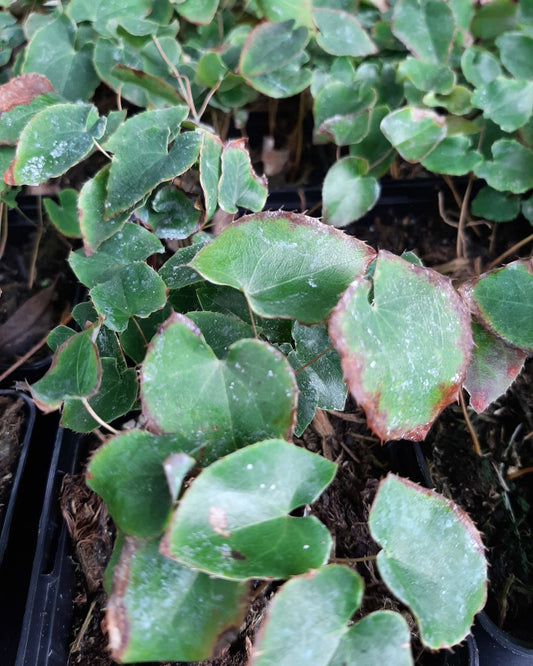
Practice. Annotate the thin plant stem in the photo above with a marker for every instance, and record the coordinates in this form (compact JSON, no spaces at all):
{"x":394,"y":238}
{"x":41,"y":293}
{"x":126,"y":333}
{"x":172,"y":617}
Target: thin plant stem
{"x":99,"y":147}
{"x":511,"y":250}
{"x":381,"y":159}
{"x":183,"y":81}
{"x":35,"y":249}
{"x":348,"y":560}
{"x":140,"y":331}
{"x":97,"y":418}
{"x":520,"y":472}
{"x":252,"y":319}
{"x":453,"y":190}
{"x":306,"y":365}
{"x":462,"y":217}
{"x":475,"y":440}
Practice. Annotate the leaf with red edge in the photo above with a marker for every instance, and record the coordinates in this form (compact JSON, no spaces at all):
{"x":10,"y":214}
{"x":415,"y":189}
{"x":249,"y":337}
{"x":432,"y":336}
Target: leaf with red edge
{"x":493,"y":368}
{"x":22,"y":90}
{"x":404,"y":338}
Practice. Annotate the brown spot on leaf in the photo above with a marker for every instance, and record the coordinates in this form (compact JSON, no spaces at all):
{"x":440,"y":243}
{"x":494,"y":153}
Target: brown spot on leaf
{"x":22,"y":90}
{"x":218,"y":519}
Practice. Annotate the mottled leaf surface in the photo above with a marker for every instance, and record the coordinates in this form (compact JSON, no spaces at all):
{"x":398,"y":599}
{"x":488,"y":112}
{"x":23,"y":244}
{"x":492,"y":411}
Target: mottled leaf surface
{"x":404,"y":332}
{"x":287,"y":265}
{"x":232,"y":521}
{"x":414,"y":132}
{"x":432,"y":558}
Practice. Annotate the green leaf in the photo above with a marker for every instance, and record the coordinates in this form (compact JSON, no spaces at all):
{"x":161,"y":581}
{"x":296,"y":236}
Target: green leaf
{"x":210,"y":70}
{"x":375,"y":148}
{"x":58,"y":336}
{"x":154,"y":86}
{"x":285,"y":10}
{"x":527,"y":209}
{"x":516,"y":53}
{"x":64,"y":214}
{"x":404,"y":332}
{"x":342,"y":112}
{"x":52,"y":52}
{"x":153,"y":132}
{"x":12,"y":122}
{"x":453,"y":155}
{"x":428,"y":76}
{"x":479,"y":66}
{"x":321,"y":384}
{"x":200,"y":12}
{"x":210,"y":169}
{"x":54,"y":140}
{"x":493,"y":368}
{"x":494,"y":18}
{"x":128,"y":472}
{"x":347,"y":193}
{"x":154,"y":612}
{"x":75,"y":372}
{"x":511,"y":168}
{"x":233,"y":523}
{"x":220,"y":331}
{"x":106,"y":14}
{"x":239,"y":184}
{"x":170,"y":214}
{"x":432,"y":559}
{"x":341,"y":34}
{"x":330,"y":596}
{"x":271,"y":58}
{"x":414,"y":132}
{"x":94,"y":229}
{"x":221,"y":405}
{"x":138,"y":333}
{"x":293,"y":267}
{"x":176,"y":272}
{"x":458,"y":101}
{"x":496,"y":206}
{"x":130,"y":244}
{"x":134,"y":290}
{"x":507,"y":102}
{"x":115,"y":397}
{"x":502,"y":301}
{"x":432,"y":38}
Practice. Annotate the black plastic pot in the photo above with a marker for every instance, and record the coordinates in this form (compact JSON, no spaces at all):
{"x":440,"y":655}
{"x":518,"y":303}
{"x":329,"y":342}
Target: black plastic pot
{"x":46,"y":623}
{"x":8,"y":509}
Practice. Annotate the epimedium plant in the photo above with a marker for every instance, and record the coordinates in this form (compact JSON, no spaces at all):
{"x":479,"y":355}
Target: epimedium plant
{"x":229,"y":343}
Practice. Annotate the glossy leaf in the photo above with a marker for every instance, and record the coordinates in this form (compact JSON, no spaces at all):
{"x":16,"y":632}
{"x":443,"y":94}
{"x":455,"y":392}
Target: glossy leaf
{"x":428,"y":76}
{"x":66,"y":134}
{"x":348,"y":193}
{"x":341,"y":34}
{"x":115,"y":397}
{"x":95,"y":230}
{"x":221,"y":405}
{"x":13,"y":121}
{"x":293,"y":267}
{"x":239,"y":185}
{"x":516,"y":53}
{"x":52,"y":52}
{"x":502,"y":300}
{"x":176,"y":272}
{"x":342,"y":112}
{"x":479,"y":66}
{"x":432,"y":558}
{"x":330,"y":596}
{"x":153,"y":131}
{"x":135,"y":289}
{"x":507,"y":102}
{"x":426,"y":28}
{"x":75,"y":372}
{"x":493,"y":368}
{"x":220,"y":330}
{"x":497,"y":206}
{"x":233,"y":523}
{"x":130,"y":244}
{"x":403,"y":332}
{"x":200,"y":12}
{"x":414,"y":132}
{"x":155,"y":612}
{"x":270,"y":59}
{"x":457,"y":101}
{"x":128,"y":473}
{"x":135,"y":338}
{"x":454,"y":156}
{"x":64,"y":214}
{"x":170,"y":214}
{"x":510,"y":169}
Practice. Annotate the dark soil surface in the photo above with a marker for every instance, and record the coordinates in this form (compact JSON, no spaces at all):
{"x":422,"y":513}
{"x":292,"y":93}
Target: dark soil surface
{"x":11,"y":440}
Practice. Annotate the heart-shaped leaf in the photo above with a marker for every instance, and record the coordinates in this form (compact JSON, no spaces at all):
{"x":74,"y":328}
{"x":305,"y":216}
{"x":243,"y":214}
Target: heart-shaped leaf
{"x":432,"y":39}
{"x":414,"y":132}
{"x":134,"y":290}
{"x":176,"y":272}
{"x":64,"y":214}
{"x":128,"y":473}
{"x":507,"y":102}
{"x":404,"y":332}
{"x":432,"y":558}
{"x":330,"y":596}
{"x":170,"y":214}
{"x":493,"y":368}
{"x":232,"y":521}
{"x":75,"y":372}
{"x":516,"y":52}
{"x":218,"y":404}
{"x":293,"y":266}
{"x":479,"y":66}
{"x":494,"y":205}
{"x":342,"y":112}
{"x":163,"y":611}
{"x":239,"y":184}
{"x":502,"y":301}
{"x":428,"y":76}
{"x":66,"y":135}
{"x":453,"y":155}
{"x":348,"y":193}
{"x":200,"y":12}
{"x":510,"y":169}
{"x":341,"y":34}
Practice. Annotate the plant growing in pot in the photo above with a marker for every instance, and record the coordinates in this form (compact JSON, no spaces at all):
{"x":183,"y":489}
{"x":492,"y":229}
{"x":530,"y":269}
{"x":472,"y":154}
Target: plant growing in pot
{"x":207,"y":323}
